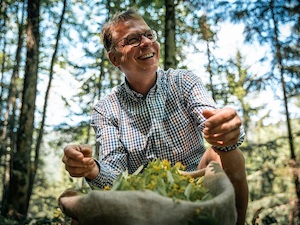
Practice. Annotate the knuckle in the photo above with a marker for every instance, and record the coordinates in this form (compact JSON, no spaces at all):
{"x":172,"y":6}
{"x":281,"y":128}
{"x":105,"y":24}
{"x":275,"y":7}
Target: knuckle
{"x":67,"y":148}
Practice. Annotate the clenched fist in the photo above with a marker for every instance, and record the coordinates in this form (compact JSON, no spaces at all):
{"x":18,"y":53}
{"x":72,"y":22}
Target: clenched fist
{"x":79,"y":162}
{"x":222,"y":127}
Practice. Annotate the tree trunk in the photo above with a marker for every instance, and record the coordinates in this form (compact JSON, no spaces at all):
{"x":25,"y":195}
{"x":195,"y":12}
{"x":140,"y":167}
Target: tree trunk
{"x":293,"y":161}
{"x":6,"y":140}
{"x":19,"y":194}
{"x":102,"y":73}
{"x":207,"y":37}
{"x":2,"y":37}
{"x":41,"y":130}
{"x":170,"y":44}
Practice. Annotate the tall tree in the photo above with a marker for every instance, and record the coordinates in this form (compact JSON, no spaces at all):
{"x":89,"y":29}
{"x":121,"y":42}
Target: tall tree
{"x":7,"y":143}
{"x":170,"y":29}
{"x":44,"y":113}
{"x":204,"y":32}
{"x":3,"y":28}
{"x":241,"y":84}
{"x":19,"y":193}
{"x":263,"y":20}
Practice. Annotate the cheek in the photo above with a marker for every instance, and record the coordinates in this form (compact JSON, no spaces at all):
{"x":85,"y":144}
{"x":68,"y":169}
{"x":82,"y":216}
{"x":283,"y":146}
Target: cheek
{"x":125,"y":57}
{"x":127,"y":54}
{"x":157,"y":47}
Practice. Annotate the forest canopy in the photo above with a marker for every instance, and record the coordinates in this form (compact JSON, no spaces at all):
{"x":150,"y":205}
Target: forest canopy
{"x":54,"y":69}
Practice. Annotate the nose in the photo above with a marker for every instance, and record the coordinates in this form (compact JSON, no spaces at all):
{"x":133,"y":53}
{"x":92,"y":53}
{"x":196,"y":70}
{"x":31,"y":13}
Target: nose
{"x":145,"y":41}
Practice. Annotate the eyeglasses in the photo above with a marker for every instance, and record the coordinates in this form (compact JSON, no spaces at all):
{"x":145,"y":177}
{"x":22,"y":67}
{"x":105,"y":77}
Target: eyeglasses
{"x":135,"y":39}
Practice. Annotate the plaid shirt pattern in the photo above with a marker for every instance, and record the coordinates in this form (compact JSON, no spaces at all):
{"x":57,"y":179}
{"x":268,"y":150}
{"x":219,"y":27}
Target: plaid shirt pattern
{"x":167,"y":123}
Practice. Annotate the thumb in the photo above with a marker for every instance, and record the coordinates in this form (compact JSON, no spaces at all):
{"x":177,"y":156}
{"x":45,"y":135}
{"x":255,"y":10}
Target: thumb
{"x":208,"y":113}
{"x":86,"y":150}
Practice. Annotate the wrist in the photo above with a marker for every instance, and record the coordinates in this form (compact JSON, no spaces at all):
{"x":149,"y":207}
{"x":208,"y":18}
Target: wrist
{"x":224,"y":149}
{"x":94,"y":172}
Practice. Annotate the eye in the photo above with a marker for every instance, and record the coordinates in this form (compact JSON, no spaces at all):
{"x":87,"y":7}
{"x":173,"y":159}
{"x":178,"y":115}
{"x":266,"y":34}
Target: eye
{"x":133,"y":39}
{"x":149,"y":35}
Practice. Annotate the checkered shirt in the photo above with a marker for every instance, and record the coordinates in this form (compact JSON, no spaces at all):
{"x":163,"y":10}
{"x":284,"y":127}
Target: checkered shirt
{"x":167,"y":123}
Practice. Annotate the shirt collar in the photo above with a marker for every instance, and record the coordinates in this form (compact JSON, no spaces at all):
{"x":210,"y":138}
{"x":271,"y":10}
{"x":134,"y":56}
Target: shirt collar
{"x":138,"y":96}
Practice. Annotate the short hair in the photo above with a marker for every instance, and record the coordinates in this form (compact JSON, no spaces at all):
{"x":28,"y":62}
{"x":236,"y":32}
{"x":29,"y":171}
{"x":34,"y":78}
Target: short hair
{"x":130,"y":14}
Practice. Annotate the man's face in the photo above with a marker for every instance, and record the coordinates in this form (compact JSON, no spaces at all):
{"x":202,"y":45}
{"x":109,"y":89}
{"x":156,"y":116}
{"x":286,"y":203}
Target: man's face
{"x":138,"y":61}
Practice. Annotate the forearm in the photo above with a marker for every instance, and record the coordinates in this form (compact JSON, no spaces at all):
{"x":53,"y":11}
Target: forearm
{"x":233,"y":163}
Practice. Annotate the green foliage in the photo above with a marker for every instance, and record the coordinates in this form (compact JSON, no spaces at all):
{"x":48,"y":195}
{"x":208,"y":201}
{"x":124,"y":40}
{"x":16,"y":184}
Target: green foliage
{"x":80,"y":54}
{"x":164,"y":179}
{"x":6,"y":221}
{"x":270,"y":178}
{"x":58,"y":219}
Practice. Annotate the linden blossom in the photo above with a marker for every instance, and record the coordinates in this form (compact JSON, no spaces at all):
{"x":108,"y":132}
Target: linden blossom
{"x":159,"y":176}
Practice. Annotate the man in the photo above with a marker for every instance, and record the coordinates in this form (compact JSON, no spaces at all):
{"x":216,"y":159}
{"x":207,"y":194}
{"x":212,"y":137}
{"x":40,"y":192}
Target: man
{"x":156,"y":114}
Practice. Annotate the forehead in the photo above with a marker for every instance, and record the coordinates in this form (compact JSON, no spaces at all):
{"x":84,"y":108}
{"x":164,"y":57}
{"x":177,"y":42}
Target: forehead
{"x":122,"y":29}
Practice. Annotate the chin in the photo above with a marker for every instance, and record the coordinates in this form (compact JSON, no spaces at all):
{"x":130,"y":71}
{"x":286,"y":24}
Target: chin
{"x":150,"y":69}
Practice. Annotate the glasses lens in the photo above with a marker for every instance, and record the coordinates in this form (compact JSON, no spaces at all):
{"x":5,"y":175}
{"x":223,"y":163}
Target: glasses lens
{"x":134,"y":39}
{"x":151,"y":35}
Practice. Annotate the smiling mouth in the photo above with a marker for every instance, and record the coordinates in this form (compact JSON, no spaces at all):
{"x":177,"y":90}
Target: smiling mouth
{"x":147,"y":56}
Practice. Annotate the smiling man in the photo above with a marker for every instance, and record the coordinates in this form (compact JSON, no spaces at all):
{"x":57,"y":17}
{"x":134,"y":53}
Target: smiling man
{"x":136,"y":52}
{"x":156,"y":114}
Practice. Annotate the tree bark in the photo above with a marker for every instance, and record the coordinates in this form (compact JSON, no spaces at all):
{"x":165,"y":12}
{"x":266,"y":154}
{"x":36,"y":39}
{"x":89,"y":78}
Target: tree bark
{"x":41,"y":129}
{"x":207,"y":36}
{"x":8,"y":125}
{"x":170,"y":44}
{"x":293,"y":161}
{"x":2,"y":37}
{"x":19,"y":194}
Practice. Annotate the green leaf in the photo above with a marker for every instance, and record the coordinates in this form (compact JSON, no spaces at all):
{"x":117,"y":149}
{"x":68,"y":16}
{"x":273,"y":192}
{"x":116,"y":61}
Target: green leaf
{"x":187,"y":191}
{"x":138,"y":170}
{"x":170,"y":177}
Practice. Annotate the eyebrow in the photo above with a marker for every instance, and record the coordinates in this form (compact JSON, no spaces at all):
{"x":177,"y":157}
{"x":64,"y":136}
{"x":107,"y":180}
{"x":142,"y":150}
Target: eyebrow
{"x":137,"y":32}
{"x":121,"y":39}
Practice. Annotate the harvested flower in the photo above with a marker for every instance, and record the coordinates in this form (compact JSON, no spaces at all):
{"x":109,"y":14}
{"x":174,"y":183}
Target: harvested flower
{"x":164,"y":179}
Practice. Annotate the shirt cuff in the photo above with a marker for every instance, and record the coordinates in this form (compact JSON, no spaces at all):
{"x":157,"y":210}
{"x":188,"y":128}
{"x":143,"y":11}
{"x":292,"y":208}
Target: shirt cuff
{"x":225,"y":149}
{"x":99,"y":181}
{"x":104,"y":178}
{"x":231,"y":147}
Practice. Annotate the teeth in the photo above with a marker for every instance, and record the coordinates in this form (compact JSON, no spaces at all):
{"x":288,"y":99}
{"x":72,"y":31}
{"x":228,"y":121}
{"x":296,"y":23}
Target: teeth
{"x":147,"y":56}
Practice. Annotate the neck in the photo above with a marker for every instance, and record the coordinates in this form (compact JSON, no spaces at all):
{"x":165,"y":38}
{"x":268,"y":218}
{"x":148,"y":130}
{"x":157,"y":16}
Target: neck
{"x":142,"y":86}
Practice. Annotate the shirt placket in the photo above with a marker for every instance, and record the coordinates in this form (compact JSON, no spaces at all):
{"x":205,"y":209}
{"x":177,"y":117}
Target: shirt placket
{"x":155,"y":106}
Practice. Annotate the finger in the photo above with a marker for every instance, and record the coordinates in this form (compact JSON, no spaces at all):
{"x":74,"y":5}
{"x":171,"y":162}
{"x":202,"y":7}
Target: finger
{"x":86,"y":150}
{"x":73,"y":162}
{"x":227,"y":139}
{"x":220,"y":117}
{"x":88,"y":162}
{"x":73,"y":151}
{"x":208,"y":113}
{"x":78,"y":171}
{"x":224,"y":128}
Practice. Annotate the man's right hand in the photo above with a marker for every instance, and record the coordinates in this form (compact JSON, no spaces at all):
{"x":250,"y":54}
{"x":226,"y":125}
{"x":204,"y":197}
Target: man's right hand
{"x":79,"y":162}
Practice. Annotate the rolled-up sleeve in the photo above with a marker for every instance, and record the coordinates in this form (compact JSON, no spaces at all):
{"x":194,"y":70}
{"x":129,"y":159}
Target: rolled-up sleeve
{"x":198,"y":99}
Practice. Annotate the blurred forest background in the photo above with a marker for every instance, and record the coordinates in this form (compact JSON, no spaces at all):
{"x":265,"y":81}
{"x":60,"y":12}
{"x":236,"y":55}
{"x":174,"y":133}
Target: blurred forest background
{"x":53,"y":69}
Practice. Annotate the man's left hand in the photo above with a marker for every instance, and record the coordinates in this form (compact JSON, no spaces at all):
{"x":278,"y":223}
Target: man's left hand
{"x":222,"y":127}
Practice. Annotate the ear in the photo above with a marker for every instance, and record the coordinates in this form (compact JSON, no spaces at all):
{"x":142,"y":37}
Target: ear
{"x":113,"y":58}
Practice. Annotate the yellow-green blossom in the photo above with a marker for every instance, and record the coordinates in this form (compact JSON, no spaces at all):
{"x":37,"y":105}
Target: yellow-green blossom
{"x":160,"y":177}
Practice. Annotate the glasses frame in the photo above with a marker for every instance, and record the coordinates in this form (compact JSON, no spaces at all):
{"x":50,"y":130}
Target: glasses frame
{"x":154,"y":33}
